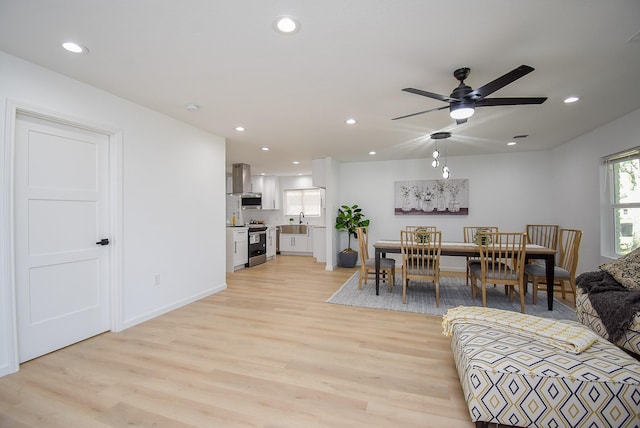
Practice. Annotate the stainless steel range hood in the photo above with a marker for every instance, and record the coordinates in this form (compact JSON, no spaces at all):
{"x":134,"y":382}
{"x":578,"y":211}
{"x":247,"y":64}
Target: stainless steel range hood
{"x":241,"y":178}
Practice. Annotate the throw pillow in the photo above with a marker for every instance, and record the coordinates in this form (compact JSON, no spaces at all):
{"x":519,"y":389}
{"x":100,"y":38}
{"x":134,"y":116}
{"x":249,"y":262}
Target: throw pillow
{"x":625,"y":270}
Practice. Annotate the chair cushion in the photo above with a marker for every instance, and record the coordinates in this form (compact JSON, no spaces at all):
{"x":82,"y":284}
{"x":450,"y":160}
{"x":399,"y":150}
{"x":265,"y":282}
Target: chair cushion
{"x":384,"y":263}
{"x":420,"y":271}
{"x":540,"y":270}
{"x":508,"y":273}
{"x":625,"y":270}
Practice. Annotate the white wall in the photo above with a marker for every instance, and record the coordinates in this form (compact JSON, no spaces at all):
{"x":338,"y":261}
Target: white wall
{"x":576,"y":181}
{"x":506,"y":190}
{"x":173,"y":181}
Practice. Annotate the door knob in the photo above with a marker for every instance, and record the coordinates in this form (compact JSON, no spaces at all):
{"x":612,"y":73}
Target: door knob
{"x":103,"y":241}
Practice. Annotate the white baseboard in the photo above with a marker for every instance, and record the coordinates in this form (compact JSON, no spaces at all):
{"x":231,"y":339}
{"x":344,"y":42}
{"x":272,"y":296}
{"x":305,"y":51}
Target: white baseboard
{"x":163,"y":310}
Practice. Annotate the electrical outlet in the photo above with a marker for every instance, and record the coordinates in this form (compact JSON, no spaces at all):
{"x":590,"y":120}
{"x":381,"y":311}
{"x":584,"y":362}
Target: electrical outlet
{"x":156,"y":279}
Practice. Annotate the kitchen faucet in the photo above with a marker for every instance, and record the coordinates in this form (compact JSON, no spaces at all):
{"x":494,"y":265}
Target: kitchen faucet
{"x":300,"y":217}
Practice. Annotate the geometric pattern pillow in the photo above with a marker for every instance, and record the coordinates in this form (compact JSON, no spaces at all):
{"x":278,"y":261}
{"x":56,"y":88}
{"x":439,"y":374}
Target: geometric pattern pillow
{"x":625,"y":270}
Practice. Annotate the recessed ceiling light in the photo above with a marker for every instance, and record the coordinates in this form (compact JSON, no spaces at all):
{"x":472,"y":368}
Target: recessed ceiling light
{"x":191,"y":107}
{"x":286,"y":25}
{"x":239,"y":128}
{"x":571,"y":99}
{"x":75,"y":48}
{"x":511,"y":143}
{"x":266,"y":149}
{"x":350,"y":121}
{"x":296,"y":162}
{"x":372,"y":153}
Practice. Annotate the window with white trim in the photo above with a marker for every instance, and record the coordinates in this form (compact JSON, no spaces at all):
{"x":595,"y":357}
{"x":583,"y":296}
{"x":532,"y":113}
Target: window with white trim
{"x":307,"y":201}
{"x":623,"y":211}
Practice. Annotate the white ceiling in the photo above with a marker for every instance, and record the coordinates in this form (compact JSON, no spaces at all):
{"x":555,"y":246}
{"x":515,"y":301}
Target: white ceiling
{"x":351,"y":58}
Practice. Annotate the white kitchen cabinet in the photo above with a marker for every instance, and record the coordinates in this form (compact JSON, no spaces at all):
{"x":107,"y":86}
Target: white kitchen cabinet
{"x":296,"y":243}
{"x":271,"y":193}
{"x":271,"y":242}
{"x":257,"y":184}
{"x":268,"y":186}
{"x":237,"y":248}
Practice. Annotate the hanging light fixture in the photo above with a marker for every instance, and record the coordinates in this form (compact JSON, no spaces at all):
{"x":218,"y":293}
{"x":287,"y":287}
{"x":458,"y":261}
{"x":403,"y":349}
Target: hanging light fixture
{"x":436,"y":153}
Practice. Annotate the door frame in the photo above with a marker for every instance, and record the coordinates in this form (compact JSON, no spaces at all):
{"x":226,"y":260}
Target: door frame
{"x":8,"y":224}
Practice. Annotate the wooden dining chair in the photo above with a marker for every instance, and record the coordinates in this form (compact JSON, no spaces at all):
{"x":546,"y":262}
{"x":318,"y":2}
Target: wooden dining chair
{"x":564,"y":273}
{"x":420,"y":259}
{"x":471,"y":236}
{"x":502,"y":258}
{"x":368,"y":264}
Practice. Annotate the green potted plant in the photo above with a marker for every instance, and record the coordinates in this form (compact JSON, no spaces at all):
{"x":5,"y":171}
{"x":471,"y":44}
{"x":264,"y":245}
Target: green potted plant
{"x":348,"y":219}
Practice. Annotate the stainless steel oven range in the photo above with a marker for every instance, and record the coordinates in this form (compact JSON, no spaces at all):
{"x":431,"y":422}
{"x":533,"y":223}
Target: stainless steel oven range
{"x":257,"y":245}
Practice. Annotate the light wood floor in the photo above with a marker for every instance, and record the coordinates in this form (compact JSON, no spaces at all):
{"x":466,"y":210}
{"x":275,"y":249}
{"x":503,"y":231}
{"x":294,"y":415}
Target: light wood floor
{"x":266,"y":352}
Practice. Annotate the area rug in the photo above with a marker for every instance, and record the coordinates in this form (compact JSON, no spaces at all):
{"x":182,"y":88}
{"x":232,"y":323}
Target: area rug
{"x":421,"y":298}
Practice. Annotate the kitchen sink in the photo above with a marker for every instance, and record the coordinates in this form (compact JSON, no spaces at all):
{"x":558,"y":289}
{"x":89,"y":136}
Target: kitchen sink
{"x":297,"y":229}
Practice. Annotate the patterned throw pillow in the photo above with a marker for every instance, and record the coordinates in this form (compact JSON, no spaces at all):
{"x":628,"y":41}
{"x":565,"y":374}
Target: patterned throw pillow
{"x":625,"y":270}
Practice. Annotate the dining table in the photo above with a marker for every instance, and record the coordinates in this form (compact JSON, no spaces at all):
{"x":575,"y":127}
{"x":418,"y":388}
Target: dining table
{"x":466,"y":249}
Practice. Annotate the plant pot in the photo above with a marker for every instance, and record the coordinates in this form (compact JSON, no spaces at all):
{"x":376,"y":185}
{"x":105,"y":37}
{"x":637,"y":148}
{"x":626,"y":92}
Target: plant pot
{"x":347,"y":259}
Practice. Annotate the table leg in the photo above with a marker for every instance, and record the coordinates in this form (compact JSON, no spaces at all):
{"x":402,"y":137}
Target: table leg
{"x":549,"y":265}
{"x":377,"y":271}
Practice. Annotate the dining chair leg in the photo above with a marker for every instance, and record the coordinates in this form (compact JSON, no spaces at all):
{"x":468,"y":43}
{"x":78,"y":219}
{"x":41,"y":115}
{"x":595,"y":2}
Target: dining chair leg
{"x":573,"y":290}
{"x":484,"y":294}
{"x":473,"y":287}
{"x":404,"y":291}
{"x":521,"y":293}
{"x":437,"y":284}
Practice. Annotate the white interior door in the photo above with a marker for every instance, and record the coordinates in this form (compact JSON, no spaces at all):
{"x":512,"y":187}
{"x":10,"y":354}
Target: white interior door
{"x":61,"y":212}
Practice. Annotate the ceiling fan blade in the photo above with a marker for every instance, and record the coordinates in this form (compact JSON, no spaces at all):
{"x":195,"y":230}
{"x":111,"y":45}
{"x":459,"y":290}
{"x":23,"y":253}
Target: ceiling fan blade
{"x":500,"y":82}
{"x":431,"y":95}
{"x":509,"y":101}
{"x":420,"y":112}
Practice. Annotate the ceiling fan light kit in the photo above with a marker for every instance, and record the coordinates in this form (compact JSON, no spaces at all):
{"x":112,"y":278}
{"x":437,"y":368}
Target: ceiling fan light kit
{"x":462,"y":110}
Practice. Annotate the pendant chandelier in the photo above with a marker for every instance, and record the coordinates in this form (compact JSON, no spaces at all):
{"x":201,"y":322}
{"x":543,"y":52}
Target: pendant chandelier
{"x":446,"y":172}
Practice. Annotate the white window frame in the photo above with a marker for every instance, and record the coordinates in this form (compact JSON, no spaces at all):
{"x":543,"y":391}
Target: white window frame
{"x":609,"y":240}
{"x":309,"y":212}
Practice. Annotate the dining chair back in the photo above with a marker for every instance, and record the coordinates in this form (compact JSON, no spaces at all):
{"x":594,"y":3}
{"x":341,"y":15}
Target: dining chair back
{"x":565,"y":272}
{"x":502,"y":257}
{"x":471,"y":236}
{"x":426,"y":228}
{"x":367,"y":264}
{"x":545,"y":235}
{"x":420,"y":259}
